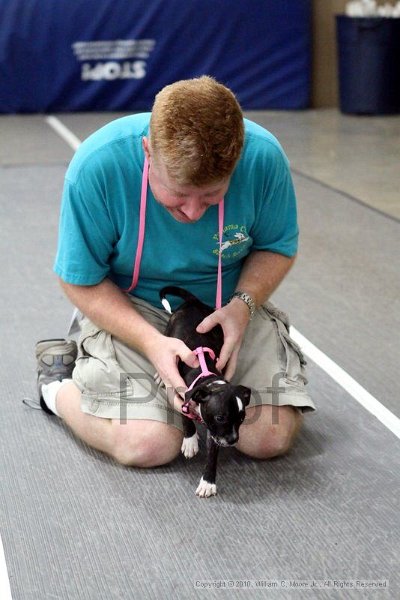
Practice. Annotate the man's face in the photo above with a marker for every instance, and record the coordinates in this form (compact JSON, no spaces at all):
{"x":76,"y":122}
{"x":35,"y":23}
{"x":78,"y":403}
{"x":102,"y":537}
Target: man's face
{"x":186,"y":203}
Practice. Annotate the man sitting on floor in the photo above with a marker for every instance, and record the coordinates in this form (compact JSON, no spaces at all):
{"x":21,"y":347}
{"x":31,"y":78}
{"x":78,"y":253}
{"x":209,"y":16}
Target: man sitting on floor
{"x":199,"y":150}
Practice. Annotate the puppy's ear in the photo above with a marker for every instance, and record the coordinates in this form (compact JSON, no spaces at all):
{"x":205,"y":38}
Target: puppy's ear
{"x":244,"y":394}
{"x":198,"y":394}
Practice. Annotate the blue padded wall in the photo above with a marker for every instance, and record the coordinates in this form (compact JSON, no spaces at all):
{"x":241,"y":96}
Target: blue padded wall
{"x":70,"y":55}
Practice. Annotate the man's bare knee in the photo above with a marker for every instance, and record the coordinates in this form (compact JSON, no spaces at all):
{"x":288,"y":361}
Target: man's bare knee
{"x":279,"y":438}
{"x":145,"y":444}
{"x":265,"y":439}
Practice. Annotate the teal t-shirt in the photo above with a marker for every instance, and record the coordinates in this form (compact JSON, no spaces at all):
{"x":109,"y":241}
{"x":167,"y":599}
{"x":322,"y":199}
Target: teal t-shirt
{"x":100,"y":213}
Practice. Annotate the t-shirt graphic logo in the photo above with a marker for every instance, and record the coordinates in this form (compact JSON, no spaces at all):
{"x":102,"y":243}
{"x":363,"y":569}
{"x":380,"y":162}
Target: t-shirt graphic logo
{"x":234,"y":241}
{"x":238,"y":239}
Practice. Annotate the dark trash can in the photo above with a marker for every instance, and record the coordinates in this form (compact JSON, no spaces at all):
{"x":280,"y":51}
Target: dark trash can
{"x":369,"y":64}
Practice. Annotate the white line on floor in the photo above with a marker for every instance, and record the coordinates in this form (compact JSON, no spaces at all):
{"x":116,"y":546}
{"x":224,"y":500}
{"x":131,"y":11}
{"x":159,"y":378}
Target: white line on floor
{"x":64,"y":132}
{"x":351,"y":386}
{"x":347,"y":382}
{"x":5,"y":591}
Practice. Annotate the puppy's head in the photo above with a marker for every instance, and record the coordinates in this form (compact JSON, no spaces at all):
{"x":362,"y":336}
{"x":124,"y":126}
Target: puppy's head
{"x":222,"y":408}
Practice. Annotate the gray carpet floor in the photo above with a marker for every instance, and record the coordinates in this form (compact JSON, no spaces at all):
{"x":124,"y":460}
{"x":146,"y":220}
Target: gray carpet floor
{"x":77,"y":526}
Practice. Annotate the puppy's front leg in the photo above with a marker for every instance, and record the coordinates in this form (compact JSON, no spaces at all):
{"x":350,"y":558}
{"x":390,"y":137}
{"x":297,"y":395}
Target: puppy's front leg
{"x":190,"y":444}
{"x":207,"y":486}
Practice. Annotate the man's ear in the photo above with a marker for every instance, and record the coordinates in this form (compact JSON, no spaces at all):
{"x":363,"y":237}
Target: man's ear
{"x":146,"y":147}
{"x":244,"y":394}
{"x":198,"y":394}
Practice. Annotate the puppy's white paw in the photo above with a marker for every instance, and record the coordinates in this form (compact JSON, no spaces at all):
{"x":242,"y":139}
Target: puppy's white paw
{"x":190,"y":446}
{"x":206,"y":489}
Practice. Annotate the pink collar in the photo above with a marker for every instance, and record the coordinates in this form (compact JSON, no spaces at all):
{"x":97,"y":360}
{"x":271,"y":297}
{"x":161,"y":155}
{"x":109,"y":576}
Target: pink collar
{"x":204,"y":373}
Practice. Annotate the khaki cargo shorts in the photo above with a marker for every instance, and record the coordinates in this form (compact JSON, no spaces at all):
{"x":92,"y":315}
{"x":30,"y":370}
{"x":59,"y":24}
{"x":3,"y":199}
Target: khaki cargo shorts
{"x":118,"y":383}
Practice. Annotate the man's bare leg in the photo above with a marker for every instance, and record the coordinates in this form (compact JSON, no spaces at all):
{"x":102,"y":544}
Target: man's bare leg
{"x":269,"y":431}
{"x":140,"y":443}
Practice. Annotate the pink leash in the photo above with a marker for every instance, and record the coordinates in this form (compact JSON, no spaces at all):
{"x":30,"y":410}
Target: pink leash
{"x":136,"y":269}
{"x":218,"y":298}
{"x":142,"y":224}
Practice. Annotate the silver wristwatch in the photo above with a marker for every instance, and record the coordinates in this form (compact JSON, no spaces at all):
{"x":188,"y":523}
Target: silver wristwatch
{"x":251,"y":305}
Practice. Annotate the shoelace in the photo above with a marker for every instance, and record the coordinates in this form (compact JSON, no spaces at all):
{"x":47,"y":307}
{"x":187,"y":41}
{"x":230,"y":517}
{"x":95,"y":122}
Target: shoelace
{"x":31,"y":403}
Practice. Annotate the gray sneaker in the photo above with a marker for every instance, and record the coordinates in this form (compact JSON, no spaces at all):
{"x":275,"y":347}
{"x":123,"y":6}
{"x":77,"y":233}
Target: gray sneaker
{"x":55,"y":362}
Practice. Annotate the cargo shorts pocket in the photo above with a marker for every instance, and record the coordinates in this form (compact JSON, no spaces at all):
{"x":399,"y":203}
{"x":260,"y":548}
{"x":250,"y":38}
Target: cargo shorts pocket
{"x":291,"y":358}
{"x":97,"y":372}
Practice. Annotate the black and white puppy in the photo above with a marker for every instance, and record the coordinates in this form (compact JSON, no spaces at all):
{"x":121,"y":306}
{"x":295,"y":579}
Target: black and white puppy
{"x":220,"y":405}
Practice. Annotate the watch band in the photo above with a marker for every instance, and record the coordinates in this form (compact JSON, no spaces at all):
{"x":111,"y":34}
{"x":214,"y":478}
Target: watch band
{"x":247,"y":299}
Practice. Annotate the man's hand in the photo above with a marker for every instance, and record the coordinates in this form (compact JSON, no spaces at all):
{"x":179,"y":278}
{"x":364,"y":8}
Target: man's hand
{"x":233,"y":318}
{"x":261,"y":274}
{"x":164,"y":353}
{"x":107,"y":306}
